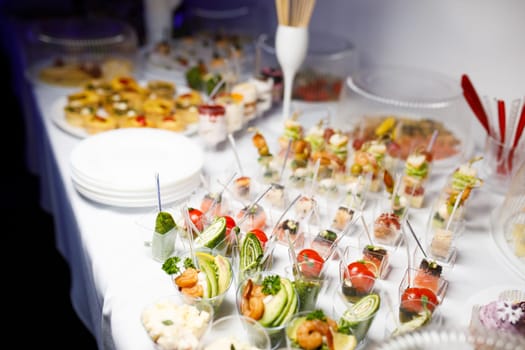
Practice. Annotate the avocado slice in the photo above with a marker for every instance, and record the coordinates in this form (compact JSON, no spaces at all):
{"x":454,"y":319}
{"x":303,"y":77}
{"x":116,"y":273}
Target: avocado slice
{"x":224,"y":273}
{"x":275,"y":307}
{"x":210,"y":269}
{"x":291,"y":330}
{"x":291,"y":307}
{"x":204,"y":256}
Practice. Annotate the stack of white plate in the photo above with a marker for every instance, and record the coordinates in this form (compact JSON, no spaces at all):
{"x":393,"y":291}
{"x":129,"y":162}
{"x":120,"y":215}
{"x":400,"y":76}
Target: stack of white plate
{"x":120,"y":167}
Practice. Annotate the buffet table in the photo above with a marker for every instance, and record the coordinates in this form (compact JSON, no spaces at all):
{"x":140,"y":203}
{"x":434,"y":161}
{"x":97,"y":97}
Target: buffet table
{"x":114,"y":276}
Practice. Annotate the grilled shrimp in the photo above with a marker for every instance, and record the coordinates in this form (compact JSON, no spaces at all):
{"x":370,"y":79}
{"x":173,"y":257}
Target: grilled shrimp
{"x":310,"y":334}
{"x":188,"y":278}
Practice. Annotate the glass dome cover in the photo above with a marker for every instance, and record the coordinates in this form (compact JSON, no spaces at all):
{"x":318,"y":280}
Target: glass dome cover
{"x":402,"y":86}
{"x":83,"y":32}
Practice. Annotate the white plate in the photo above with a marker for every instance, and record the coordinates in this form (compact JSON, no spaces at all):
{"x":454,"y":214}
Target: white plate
{"x":503,"y":246}
{"x":134,"y":203}
{"x":59,"y":119}
{"x":95,"y":186}
{"x":137,"y":194}
{"x":129,"y":159}
{"x":126,"y":195}
{"x":32,"y":75}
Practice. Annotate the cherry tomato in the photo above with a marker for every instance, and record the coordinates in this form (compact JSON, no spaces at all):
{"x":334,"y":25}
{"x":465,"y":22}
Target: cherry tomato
{"x":428,"y":155}
{"x":418,"y":299}
{"x":357,"y":143}
{"x":313,"y":262}
{"x":328,"y":132}
{"x":394,"y":149}
{"x":196,"y":218}
{"x":360,"y":276}
{"x":141,"y":120}
{"x":260,"y":235}
{"x":230,"y":223}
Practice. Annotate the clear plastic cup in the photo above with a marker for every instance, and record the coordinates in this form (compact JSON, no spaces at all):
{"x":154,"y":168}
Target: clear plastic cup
{"x":236,"y":331}
{"x":272,"y":318}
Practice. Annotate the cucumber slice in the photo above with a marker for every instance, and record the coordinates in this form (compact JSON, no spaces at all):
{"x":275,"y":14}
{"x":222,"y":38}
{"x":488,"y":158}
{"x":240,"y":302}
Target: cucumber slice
{"x":360,"y":316}
{"x":212,"y":235}
{"x":251,"y":252}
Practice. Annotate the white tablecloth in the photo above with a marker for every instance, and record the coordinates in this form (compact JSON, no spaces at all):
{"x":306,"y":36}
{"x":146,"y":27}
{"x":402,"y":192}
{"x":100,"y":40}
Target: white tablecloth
{"x":114,"y":276}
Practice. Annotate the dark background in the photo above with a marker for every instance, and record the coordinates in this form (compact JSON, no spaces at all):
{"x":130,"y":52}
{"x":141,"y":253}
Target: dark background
{"x":37,"y":305}
{"x":37,"y":280}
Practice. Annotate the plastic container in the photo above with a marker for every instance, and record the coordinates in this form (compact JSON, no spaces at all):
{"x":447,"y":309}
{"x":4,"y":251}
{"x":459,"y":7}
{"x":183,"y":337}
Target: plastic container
{"x":237,"y":331}
{"x":217,"y":36}
{"x":329,"y":60}
{"x":174,"y":331}
{"x":238,"y":17}
{"x":418,"y":101}
{"x":70,"y":52}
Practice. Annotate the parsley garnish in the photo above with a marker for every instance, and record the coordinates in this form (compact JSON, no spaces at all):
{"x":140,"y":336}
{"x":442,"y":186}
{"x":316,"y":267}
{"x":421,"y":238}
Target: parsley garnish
{"x":170,"y":266}
{"x":167,"y":322}
{"x":316,"y":315}
{"x":424,"y":302}
{"x":344,"y":327}
{"x":189,"y":263}
{"x":271,"y":284}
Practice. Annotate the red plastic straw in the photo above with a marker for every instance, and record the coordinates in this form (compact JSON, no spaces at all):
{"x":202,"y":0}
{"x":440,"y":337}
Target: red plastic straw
{"x":501,"y":123}
{"x":501,"y":120}
{"x":474,"y":102}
